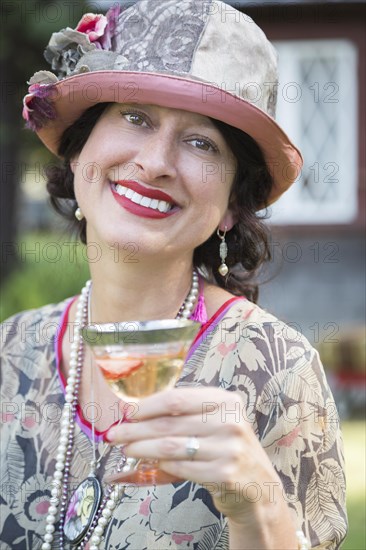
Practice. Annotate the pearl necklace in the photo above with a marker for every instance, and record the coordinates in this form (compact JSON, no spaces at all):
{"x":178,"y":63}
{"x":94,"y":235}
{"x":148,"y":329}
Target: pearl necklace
{"x":113,"y":493}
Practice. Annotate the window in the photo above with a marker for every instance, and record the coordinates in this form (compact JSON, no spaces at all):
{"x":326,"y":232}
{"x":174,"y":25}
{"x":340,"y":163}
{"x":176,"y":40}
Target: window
{"x":317,"y":107}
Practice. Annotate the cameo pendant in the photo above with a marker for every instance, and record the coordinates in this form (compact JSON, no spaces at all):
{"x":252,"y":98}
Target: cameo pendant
{"x":81,"y":510}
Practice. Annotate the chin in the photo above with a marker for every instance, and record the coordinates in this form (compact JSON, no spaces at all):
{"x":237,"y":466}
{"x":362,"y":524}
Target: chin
{"x":126,"y":246}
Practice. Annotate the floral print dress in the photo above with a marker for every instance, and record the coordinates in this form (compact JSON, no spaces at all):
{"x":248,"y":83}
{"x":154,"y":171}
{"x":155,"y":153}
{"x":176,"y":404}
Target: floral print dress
{"x":242,"y":348}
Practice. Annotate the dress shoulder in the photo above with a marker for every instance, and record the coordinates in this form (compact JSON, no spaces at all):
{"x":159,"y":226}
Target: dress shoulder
{"x":19,"y":326}
{"x":27,"y":347}
{"x":247,"y":339}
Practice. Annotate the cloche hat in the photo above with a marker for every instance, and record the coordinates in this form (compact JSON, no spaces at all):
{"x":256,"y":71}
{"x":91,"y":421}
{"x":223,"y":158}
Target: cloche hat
{"x":201,"y":56}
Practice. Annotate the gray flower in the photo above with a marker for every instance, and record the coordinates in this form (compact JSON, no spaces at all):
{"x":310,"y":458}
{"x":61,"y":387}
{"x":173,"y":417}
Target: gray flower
{"x":65,"y":49}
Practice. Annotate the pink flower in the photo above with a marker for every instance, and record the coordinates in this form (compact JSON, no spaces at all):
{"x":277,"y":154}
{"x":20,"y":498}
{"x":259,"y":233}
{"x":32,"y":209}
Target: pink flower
{"x":145,"y":506}
{"x":29,"y":422}
{"x":93,"y":25}
{"x":42,"y":507}
{"x":179,"y":538}
{"x":7,"y":417}
{"x":224,"y":349}
{"x":287,"y":440}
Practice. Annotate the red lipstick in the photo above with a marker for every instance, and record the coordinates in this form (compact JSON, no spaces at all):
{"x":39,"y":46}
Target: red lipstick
{"x":139,"y":210}
{"x":145,"y":191}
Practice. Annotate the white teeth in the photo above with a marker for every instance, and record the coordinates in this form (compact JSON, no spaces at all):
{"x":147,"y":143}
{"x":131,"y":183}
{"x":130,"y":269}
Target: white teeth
{"x":146,"y":201}
{"x":161,"y":206}
{"x":137,"y":198}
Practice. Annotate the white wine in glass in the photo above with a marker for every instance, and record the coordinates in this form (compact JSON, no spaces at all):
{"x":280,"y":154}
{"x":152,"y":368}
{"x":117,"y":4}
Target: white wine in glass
{"x":138,"y":359}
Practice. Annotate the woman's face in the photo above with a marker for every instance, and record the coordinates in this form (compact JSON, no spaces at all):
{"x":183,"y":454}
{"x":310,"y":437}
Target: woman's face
{"x":155,"y":177}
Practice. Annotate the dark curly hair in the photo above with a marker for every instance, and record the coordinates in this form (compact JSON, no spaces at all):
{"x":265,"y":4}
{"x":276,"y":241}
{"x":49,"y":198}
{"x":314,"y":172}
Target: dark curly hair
{"x":248,"y":240}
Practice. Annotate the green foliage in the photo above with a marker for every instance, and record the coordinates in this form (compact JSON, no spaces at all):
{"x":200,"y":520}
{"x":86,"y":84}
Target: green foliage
{"x":354,"y":435}
{"x":51,"y":268}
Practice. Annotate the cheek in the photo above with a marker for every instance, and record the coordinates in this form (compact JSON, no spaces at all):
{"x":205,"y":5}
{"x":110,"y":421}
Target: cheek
{"x":215,"y":193}
{"x":80,"y":183}
{"x":84,"y":188}
{"x":88,"y":171}
{"x":218,"y":176}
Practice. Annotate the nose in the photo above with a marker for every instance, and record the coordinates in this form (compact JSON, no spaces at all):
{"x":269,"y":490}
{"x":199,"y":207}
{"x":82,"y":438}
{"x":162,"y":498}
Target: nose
{"x":156,"y":157}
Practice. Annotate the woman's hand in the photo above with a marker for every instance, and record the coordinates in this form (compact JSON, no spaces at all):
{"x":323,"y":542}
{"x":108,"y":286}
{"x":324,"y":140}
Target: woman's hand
{"x":230,"y":462}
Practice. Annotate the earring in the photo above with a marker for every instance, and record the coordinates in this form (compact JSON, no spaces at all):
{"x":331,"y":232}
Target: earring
{"x":79,"y":215}
{"x":223,"y":269}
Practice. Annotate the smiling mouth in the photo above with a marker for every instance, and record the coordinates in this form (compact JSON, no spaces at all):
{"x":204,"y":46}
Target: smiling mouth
{"x":154,"y":204}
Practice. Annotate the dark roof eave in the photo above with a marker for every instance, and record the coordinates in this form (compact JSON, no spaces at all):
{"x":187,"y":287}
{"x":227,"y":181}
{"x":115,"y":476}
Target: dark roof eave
{"x":264,"y":3}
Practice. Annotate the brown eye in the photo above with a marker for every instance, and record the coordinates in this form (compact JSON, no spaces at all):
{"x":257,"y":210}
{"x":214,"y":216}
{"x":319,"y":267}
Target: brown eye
{"x":203,"y":144}
{"x":134,"y":118}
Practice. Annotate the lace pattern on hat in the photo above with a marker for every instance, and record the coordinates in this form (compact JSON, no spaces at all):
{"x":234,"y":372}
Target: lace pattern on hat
{"x":145,"y":39}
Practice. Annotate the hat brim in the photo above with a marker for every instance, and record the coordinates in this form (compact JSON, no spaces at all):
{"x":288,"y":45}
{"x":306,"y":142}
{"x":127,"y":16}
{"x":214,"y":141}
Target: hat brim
{"x":73,"y":95}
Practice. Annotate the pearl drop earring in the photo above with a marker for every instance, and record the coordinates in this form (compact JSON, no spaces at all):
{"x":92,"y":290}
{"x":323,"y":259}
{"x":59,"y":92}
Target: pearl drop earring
{"x":78,"y":214}
{"x":223,"y":268}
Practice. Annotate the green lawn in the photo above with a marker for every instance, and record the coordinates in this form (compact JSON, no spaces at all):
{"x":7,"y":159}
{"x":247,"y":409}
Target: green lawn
{"x":354,"y":444}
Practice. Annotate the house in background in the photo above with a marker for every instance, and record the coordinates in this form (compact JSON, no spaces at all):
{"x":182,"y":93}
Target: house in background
{"x":318,"y":269}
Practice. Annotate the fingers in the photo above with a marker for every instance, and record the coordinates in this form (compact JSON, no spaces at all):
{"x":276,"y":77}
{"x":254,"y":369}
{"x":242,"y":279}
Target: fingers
{"x":186,"y":401}
{"x":180,"y":411}
{"x":173,"y":448}
{"x":161,"y":427}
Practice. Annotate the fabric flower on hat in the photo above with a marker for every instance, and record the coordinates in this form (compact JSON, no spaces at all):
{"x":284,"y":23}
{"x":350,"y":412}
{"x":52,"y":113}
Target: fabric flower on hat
{"x":99,"y":28}
{"x":65,"y":49}
{"x":93,"y":25}
{"x":37,"y":105}
{"x":93,"y":35}
{"x":68,"y":46}
{"x":112,"y":16}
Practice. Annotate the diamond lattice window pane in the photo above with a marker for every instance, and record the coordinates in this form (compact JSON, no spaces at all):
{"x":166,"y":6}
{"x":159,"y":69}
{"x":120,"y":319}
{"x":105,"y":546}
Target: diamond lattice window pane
{"x":322,"y":121}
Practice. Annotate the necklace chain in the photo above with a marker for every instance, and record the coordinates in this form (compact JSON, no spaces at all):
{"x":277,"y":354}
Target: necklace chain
{"x":113,"y":493}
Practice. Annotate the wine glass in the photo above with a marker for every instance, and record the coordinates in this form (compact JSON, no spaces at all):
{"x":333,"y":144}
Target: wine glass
{"x":138,"y":359}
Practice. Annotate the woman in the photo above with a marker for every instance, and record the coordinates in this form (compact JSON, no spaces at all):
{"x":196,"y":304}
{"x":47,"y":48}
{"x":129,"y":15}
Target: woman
{"x":161,"y":166}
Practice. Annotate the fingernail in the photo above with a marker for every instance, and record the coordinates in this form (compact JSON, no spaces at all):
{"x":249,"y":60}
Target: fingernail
{"x":108,"y":436}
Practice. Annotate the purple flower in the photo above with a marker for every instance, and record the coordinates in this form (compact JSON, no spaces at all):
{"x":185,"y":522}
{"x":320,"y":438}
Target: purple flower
{"x":37,"y":106}
{"x":112,"y":18}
